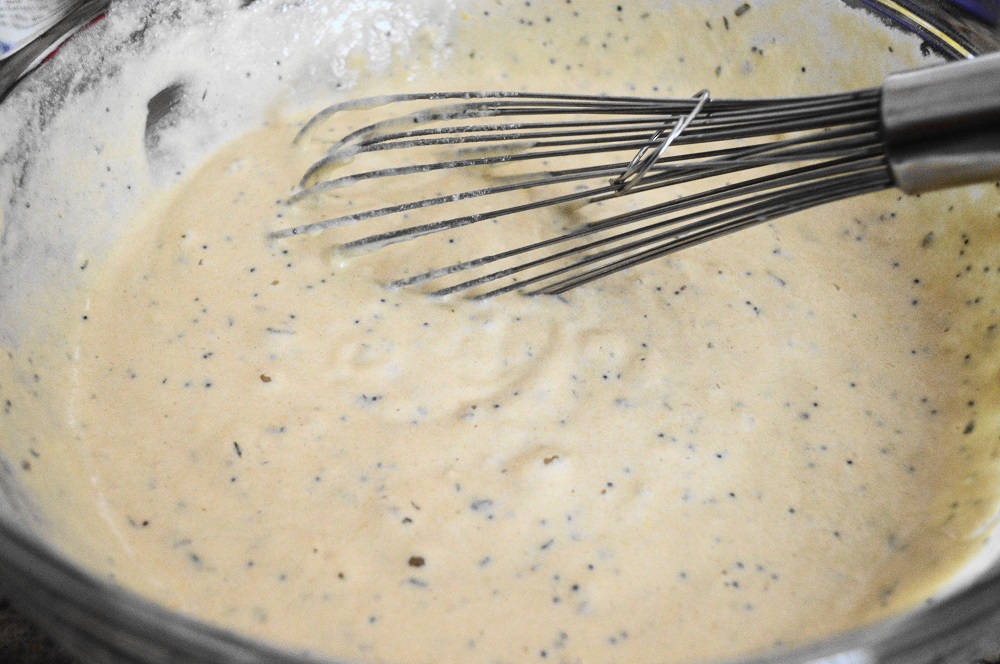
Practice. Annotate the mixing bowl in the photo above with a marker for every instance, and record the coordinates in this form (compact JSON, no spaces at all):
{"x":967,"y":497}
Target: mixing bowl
{"x":48,"y":166}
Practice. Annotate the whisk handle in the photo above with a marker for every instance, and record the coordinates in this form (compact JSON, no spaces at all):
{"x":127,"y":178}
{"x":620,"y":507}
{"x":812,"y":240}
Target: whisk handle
{"x":942,"y":124}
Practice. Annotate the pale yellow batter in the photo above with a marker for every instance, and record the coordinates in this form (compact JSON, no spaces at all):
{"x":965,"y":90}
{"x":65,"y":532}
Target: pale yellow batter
{"x":756,"y":443}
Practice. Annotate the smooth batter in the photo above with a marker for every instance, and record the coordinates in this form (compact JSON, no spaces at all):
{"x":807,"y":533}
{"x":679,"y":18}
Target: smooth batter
{"x":759,"y":442}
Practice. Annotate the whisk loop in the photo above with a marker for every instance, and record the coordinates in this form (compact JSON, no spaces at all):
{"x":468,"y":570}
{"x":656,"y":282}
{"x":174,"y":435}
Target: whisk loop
{"x":603,"y":154}
{"x":597,"y":204}
{"x":642,"y":162}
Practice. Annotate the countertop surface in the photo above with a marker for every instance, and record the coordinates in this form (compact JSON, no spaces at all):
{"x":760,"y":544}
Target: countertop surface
{"x":23,"y":643}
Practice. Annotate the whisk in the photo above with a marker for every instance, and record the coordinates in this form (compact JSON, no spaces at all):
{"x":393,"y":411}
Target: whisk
{"x":752,"y":160}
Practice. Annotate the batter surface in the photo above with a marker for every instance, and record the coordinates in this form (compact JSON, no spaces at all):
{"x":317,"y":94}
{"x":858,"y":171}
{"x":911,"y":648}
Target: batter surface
{"x":755,"y":443}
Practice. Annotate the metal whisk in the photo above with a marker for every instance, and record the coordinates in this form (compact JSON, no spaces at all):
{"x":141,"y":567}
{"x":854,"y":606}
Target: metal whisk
{"x":753,"y":161}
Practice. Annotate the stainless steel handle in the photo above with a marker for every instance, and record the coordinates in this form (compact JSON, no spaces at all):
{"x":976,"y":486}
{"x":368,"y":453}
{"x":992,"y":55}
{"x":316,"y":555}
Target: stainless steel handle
{"x":942,"y":124}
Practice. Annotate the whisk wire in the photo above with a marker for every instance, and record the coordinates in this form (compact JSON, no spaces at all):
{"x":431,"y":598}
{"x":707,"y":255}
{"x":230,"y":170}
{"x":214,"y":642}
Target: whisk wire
{"x":766,"y":188}
{"x":663,"y":244}
{"x":718,"y":162}
{"x":813,"y":150}
{"x":723,"y":121}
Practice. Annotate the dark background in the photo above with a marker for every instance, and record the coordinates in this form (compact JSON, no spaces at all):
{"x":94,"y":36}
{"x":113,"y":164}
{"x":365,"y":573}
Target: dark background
{"x":23,"y":643}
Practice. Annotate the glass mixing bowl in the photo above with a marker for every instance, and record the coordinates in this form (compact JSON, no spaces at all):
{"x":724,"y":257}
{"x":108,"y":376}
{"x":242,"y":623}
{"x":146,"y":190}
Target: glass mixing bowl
{"x":101,"y":623}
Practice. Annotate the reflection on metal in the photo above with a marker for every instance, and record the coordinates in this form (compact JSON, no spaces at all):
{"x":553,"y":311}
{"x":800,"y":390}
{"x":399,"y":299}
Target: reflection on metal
{"x":859,"y":656}
{"x":922,"y":26}
{"x":947,"y":26}
{"x":75,"y":15}
{"x":15,"y":505}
